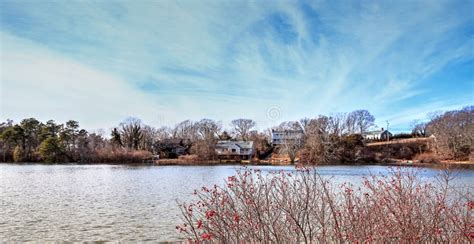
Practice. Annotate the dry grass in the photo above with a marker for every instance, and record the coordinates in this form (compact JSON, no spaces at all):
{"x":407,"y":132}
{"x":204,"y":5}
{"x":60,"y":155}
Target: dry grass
{"x":430,"y":158}
{"x":120,"y":156}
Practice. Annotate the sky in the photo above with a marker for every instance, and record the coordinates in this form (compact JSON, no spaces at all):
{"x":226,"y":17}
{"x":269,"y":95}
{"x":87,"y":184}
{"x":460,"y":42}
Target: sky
{"x":100,"y":62}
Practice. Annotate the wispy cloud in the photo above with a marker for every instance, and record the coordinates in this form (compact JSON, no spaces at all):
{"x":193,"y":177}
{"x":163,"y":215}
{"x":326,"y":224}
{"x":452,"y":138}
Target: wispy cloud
{"x":171,"y":60}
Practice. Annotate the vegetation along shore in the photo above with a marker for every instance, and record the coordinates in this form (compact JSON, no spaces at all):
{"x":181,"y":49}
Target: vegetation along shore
{"x":304,"y":206}
{"x":342,"y":138}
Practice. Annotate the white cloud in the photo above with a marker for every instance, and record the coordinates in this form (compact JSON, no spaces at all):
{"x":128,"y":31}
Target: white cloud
{"x":225,"y":60}
{"x":38,"y":83}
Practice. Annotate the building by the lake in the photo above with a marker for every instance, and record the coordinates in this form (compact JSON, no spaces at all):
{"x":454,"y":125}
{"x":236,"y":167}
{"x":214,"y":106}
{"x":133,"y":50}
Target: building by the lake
{"x":173,"y":147}
{"x":235,"y":149}
{"x":381,"y":134}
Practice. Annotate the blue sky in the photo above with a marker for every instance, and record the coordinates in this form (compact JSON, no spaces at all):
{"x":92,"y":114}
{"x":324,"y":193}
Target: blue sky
{"x":99,"y":62}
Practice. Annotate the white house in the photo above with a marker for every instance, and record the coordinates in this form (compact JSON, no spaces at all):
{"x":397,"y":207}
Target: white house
{"x":280,"y":136}
{"x":377,"y":135}
{"x":235,"y":149}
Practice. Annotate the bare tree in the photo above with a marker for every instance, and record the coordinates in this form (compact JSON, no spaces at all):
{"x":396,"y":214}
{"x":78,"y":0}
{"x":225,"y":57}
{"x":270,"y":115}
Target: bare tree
{"x":304,"y":122}
{"x":337,"y":124}
{"x":291,"y":147}
{"x":163,"y":133}
{"x":96,"y":141}
{"x":290,"y":125}
{"x":261,"y":142}
{"x":350,"y":123}
{"x":208,"y":129}
{"x":363,"y":120}
{"x":242,"y":127}
{"x":268,"y":135}
{"x":149,"y":139}
{"x":418,"y":129}
{"x":319,"y":146}
{"x":131,"y":133}
{"x":454,"y":132}
{"x":185,"y":130}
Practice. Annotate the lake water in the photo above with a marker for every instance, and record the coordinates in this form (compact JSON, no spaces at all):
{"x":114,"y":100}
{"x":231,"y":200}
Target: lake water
{"x":127,"y":203}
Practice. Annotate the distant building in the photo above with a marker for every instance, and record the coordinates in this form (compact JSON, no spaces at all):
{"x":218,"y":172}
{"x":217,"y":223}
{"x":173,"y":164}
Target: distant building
{"x":235,"y":149}
{"x":280,"y":136}
{"x":174,"y":147}
{"x":377,"y":135}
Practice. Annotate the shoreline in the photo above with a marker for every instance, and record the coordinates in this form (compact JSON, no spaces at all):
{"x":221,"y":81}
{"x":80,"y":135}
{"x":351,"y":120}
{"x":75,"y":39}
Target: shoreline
{"x":394,"y":163}
{"x":177,"y":162}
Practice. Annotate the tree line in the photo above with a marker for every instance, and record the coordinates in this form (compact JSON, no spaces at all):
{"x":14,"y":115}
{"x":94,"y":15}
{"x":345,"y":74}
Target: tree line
{"x":31,"y":140}
{"x":326,"y":139}
{"x":453,"y":131}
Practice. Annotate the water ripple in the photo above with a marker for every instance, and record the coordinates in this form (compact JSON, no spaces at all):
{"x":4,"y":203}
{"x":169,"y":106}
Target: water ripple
{"x":114,"y":203}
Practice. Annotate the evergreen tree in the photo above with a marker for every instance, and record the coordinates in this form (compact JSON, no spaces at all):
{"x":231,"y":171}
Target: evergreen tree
{"x":50,"y":150}
{"x":116,"y":138}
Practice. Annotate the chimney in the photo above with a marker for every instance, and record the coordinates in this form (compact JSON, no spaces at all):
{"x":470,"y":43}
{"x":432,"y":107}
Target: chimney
{"x":382,"y":129}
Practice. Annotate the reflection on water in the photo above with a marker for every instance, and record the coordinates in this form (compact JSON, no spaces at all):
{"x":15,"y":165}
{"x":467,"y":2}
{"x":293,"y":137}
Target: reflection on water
{"x":129,"y":203}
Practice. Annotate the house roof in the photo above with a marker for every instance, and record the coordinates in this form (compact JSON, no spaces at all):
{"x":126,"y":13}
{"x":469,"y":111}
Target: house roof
{"x":168,"y":144}
{"x":241,"y":144}
{"x":174,"y":141}
{"x":287,"y":131}
{"x":375,"y":132}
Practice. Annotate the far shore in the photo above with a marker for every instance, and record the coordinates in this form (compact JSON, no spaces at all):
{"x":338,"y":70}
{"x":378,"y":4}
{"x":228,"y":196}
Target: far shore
{"x":180,"y":162}
{"x":391,"y":162}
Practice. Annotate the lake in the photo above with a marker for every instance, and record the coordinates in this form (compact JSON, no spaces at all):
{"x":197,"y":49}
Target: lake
{"x":126,"y":203}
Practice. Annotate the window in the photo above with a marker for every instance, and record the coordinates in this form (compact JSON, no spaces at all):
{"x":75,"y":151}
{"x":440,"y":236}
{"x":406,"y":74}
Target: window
{"x":233,"y":150}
